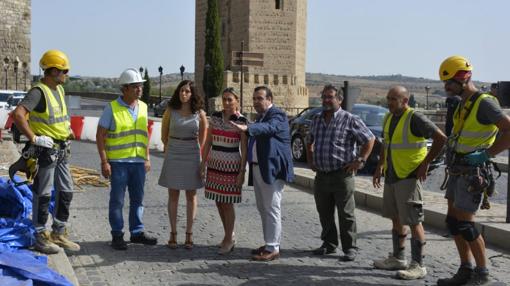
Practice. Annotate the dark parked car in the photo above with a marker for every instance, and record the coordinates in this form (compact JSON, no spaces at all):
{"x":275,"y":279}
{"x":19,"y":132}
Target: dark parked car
{"x":159,"y":109}
{"x":372,"y":116}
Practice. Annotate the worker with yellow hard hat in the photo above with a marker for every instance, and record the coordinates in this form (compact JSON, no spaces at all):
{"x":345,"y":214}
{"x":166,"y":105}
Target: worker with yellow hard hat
{"x":48,"y":130}
{"x":469,"y":180}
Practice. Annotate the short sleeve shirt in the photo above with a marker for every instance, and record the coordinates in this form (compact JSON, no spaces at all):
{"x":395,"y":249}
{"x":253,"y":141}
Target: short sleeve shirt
{"x":335,"y":143}
{"x":35,"y":100}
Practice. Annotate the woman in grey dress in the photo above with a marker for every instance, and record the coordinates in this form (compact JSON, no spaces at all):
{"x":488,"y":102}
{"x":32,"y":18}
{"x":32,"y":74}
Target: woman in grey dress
{"x":183,"y":132}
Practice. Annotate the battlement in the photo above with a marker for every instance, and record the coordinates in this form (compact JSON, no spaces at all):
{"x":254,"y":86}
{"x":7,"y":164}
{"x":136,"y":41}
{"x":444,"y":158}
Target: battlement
{"x":274,"y":28}
{"x":15,"y":22}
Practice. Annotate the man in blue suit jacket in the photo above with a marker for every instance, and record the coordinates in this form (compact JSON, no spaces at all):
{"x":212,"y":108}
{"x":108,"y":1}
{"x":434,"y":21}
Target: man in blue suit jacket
{"x":270,"y":167}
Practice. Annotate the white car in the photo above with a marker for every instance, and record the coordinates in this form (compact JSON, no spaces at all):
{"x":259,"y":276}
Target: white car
{"x":10,"y":98}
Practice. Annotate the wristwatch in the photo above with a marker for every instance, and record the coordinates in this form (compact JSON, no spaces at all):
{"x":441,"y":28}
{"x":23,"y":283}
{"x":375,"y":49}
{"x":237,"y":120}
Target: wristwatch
{"x":361,"y":160}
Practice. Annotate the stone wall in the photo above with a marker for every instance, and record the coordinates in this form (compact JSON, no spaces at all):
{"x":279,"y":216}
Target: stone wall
{"x":15,"y":21}
{"x":276,"y":28}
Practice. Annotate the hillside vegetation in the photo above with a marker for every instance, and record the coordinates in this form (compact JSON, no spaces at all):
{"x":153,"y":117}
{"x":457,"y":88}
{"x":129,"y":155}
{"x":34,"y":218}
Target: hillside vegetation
{"x":372,"y":89}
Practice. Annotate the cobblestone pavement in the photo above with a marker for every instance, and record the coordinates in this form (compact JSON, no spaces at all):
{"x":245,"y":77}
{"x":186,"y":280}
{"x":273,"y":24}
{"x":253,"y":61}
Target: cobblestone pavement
{"x":98,"y":264}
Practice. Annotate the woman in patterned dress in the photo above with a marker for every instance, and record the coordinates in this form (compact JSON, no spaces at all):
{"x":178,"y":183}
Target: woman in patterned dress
{"x":224,"y":156}
{"x":183,"y":131}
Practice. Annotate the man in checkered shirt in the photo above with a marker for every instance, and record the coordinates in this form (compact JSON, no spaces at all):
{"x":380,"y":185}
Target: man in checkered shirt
{"x":332,"y":151}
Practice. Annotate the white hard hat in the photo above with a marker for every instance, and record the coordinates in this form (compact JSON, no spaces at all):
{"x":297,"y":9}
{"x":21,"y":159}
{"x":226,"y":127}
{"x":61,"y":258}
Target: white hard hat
{"x":130,"y":75}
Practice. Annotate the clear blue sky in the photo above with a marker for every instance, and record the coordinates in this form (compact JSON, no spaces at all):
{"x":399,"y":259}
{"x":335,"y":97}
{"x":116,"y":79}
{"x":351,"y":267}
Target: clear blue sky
{"x":356,"y":37}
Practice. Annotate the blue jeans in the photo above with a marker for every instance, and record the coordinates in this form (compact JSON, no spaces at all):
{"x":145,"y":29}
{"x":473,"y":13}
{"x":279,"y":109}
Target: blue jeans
{"x":132,"y":176}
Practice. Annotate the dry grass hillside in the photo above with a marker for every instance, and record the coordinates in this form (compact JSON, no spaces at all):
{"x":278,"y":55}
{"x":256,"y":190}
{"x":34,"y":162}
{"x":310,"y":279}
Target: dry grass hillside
{"x":373,"y":89}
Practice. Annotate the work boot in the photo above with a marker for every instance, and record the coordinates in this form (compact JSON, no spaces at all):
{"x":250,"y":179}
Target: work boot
{"x":479,"y":278}
{"x":414,"y":271}
{"x":118,"y":242}
{"x":43,"y":243}
{"x":391,"y":263}
{"x":143,"y":238}
{"x":462,"y":276}
{"x":62,"y":240}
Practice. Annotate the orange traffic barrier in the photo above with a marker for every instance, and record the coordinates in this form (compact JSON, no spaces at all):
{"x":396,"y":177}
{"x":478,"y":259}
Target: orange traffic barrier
{"x":77,"y":126}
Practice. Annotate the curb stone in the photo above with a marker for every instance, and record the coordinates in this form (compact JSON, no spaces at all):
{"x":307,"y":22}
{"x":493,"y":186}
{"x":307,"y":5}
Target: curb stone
{"x":491,"y":223}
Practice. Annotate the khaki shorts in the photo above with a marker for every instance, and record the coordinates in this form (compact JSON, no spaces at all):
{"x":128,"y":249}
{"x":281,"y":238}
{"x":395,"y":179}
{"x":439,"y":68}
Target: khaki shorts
{"x":403,"y":200}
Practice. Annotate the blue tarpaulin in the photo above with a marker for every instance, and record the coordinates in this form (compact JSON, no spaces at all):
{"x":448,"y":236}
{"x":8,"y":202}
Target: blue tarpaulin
{"x":17,"y":266}
{"x":21,"y":267}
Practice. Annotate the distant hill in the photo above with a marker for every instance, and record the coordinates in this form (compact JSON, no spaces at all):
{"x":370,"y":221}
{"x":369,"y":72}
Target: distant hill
{"x":372,"y":88}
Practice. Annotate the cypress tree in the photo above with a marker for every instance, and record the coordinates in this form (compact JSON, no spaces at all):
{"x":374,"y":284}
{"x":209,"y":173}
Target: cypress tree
{"x":213,"y":78}
{"x":146,"y":88}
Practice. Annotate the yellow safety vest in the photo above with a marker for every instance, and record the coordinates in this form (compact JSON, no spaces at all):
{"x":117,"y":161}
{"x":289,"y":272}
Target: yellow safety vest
{"x":407,"y":150}
{"x":54,"y":121}
{"x":130,"y":138}
{"x":472,"y":135}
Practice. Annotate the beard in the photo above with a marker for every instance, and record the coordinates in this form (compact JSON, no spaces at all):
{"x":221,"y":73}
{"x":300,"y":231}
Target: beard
{"x":328,"y":107}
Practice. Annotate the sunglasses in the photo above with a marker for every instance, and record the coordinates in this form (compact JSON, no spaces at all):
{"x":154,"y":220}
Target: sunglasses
{"x":63,"y":71}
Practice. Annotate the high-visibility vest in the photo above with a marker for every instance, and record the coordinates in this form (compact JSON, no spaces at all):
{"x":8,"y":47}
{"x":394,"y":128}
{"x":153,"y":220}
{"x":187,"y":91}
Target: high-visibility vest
{"x":472,"y":135}
{"x":130,"y":137}
{"x":407,"y":150}
{"x":54,"y":121}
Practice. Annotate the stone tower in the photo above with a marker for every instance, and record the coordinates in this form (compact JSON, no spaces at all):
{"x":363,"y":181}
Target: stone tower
{"x":276,"y":28}
{"x":15,"y":19}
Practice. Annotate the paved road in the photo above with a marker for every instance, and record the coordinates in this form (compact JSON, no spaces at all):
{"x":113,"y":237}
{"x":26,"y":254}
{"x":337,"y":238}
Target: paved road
{"x":98,"y":264}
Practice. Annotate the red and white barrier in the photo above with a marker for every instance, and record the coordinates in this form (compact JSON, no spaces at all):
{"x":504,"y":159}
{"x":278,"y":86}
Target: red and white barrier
{"x":85,"y":128}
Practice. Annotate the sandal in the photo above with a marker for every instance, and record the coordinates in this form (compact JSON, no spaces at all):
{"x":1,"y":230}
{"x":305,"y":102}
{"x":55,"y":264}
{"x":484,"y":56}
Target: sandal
{"x":172,"y":243}
{"x":188,"y":244}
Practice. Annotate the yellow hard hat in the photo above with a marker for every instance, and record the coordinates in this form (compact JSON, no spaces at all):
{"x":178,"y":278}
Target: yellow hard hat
{"x":54,"y":59}
{"x":452,"y":65}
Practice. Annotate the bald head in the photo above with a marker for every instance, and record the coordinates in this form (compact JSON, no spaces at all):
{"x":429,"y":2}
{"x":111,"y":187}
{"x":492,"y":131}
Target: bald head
{"x":398,"y":98}
{"x":399,"y":91}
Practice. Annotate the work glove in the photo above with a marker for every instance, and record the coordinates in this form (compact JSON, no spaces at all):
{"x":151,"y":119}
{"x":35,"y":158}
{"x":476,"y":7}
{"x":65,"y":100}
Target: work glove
{"x":477,"y":158}
{"x":43,"y":141}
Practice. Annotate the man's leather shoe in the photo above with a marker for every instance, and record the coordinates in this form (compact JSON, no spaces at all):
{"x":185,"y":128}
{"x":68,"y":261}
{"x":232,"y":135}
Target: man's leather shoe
{"x":266,"y":256}
{"x":324,"y":249}
{"x":258,"y":250}
{"x":143,"y":238}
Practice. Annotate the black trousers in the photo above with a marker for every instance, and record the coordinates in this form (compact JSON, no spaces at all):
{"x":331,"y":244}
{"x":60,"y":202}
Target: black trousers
{"x":336,"y":190}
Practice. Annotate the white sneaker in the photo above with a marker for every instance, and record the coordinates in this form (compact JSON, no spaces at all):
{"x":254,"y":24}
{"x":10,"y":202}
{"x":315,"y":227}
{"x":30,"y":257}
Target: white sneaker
{"x":391,"y":263}
{"x":414,"y":271}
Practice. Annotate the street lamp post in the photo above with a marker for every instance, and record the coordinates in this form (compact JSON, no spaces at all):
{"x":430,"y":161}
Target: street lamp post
{"x":207,"y":68}
{"x":6,"y":68}
{"x":16,"y":66}
{"x":427,"y":88}
{"x":160,"y":69}
{"x":25,"y":72}
{"x":182,"y":68}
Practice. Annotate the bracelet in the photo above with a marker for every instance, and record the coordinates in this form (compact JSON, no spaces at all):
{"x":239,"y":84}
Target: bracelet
{"x":104,"y":162}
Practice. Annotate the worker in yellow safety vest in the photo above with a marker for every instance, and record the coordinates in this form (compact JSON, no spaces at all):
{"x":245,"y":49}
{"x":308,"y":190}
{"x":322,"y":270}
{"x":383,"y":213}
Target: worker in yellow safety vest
{"x":404,"y":161}
{"x":48,"y":130}
{"x":476,"y":122}
{"x":123,"y":143}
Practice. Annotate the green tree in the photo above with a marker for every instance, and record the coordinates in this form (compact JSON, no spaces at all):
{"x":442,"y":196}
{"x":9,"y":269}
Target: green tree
{"x":412,"y":101}
{"x":146,"y":87}
{"x":213,"y":69}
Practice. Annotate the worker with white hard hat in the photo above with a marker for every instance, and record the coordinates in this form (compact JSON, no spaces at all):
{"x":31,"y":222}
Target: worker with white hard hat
{"x":123,"y":143}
